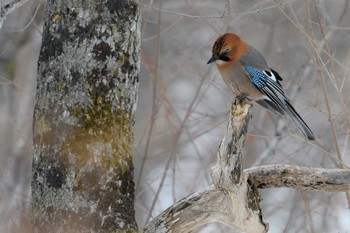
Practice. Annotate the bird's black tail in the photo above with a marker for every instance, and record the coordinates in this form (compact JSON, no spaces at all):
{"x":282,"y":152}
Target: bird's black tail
{"x":303,"y":127}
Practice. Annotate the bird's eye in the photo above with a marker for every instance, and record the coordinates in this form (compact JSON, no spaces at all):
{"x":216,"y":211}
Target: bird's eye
{"x":223,"y":56}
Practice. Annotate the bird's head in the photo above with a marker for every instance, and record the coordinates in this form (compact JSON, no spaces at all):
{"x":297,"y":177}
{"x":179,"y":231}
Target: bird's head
{"x":228,"y":48}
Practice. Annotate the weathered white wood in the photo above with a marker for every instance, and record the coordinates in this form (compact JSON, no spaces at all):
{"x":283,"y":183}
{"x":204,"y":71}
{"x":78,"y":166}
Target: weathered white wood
{"x":304,"y":178}
{"x":209,"y":205}
{"x":234,"y":201}
{"x":230,"y":200}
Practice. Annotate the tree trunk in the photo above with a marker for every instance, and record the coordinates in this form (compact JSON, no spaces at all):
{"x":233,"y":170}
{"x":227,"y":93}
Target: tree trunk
{"x":84,"y":117}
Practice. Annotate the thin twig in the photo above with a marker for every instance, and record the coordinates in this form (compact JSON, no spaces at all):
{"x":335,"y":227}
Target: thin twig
{"x":154,"y":110}
{"x":326,"y":96}
{"x":307,"y":211}
{"x":222,"y":15}
{"x":28,"y":24}
{"x":8,"y":8}
{"x":180,"y":14}
{"x":310,"y":39}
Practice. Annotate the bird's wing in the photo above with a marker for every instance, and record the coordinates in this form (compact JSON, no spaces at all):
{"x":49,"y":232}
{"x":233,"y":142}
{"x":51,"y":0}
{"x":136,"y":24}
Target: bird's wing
{"x":267,"y":81}
{"x":269,"y":105}
{"x":254,"y":59}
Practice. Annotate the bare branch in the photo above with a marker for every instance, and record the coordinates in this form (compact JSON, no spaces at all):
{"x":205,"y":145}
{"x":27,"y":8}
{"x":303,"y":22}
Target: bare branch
{"x":303,"y":178}
{"x":215,"y":205}
{"x":206,"y":206}
{"x":8,"y":8}
{"x":228,"y":168}
{"x":231,"y":200}
{"x":180,"y":14}
{"x":222,"y":15}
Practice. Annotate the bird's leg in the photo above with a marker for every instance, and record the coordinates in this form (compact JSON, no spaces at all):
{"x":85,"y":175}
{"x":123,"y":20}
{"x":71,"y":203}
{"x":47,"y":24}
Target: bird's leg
{"x":239,"y":98}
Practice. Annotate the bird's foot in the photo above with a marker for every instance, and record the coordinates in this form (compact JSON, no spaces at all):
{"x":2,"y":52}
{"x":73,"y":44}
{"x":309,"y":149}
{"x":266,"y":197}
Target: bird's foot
{"x":240,"y":99}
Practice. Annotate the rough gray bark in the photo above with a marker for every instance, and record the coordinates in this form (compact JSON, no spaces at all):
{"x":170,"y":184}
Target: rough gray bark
{"x":84,"y":117}
{"x":231,"y":200}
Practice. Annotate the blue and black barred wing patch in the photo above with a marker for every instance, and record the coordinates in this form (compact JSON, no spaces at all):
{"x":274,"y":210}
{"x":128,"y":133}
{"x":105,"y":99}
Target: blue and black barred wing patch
{"x":269,"y":85}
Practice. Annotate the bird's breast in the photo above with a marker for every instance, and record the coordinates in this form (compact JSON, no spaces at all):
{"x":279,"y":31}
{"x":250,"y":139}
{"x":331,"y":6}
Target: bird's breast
{"x":239,"y":81}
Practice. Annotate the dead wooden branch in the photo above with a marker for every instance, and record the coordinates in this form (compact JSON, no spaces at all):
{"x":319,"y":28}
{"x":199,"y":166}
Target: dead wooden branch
{"x":230,"y":200}
{"x":233,"y":198}
{"x":304,"y":178}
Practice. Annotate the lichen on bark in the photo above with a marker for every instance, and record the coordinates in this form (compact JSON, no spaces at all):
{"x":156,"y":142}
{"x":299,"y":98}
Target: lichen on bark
{"x":84,"y":117}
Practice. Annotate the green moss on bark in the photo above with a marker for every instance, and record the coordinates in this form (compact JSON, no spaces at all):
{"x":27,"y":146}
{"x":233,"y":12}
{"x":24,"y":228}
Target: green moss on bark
{"x":84,"y":117}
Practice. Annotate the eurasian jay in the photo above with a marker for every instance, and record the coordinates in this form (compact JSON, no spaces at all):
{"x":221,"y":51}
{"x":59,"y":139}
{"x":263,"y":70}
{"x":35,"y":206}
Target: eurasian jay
{"x":247,"y":74}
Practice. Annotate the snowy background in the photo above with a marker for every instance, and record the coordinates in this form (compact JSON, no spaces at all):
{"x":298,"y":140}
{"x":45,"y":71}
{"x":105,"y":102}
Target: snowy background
{"x":183,"y":104}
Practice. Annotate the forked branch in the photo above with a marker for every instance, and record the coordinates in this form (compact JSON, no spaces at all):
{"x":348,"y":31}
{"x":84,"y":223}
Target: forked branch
{"x":233,"y":198}
{"x":230,"y":200}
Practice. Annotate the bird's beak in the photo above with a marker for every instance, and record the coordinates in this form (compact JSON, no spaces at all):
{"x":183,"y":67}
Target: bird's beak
{"x":212,"y":59}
